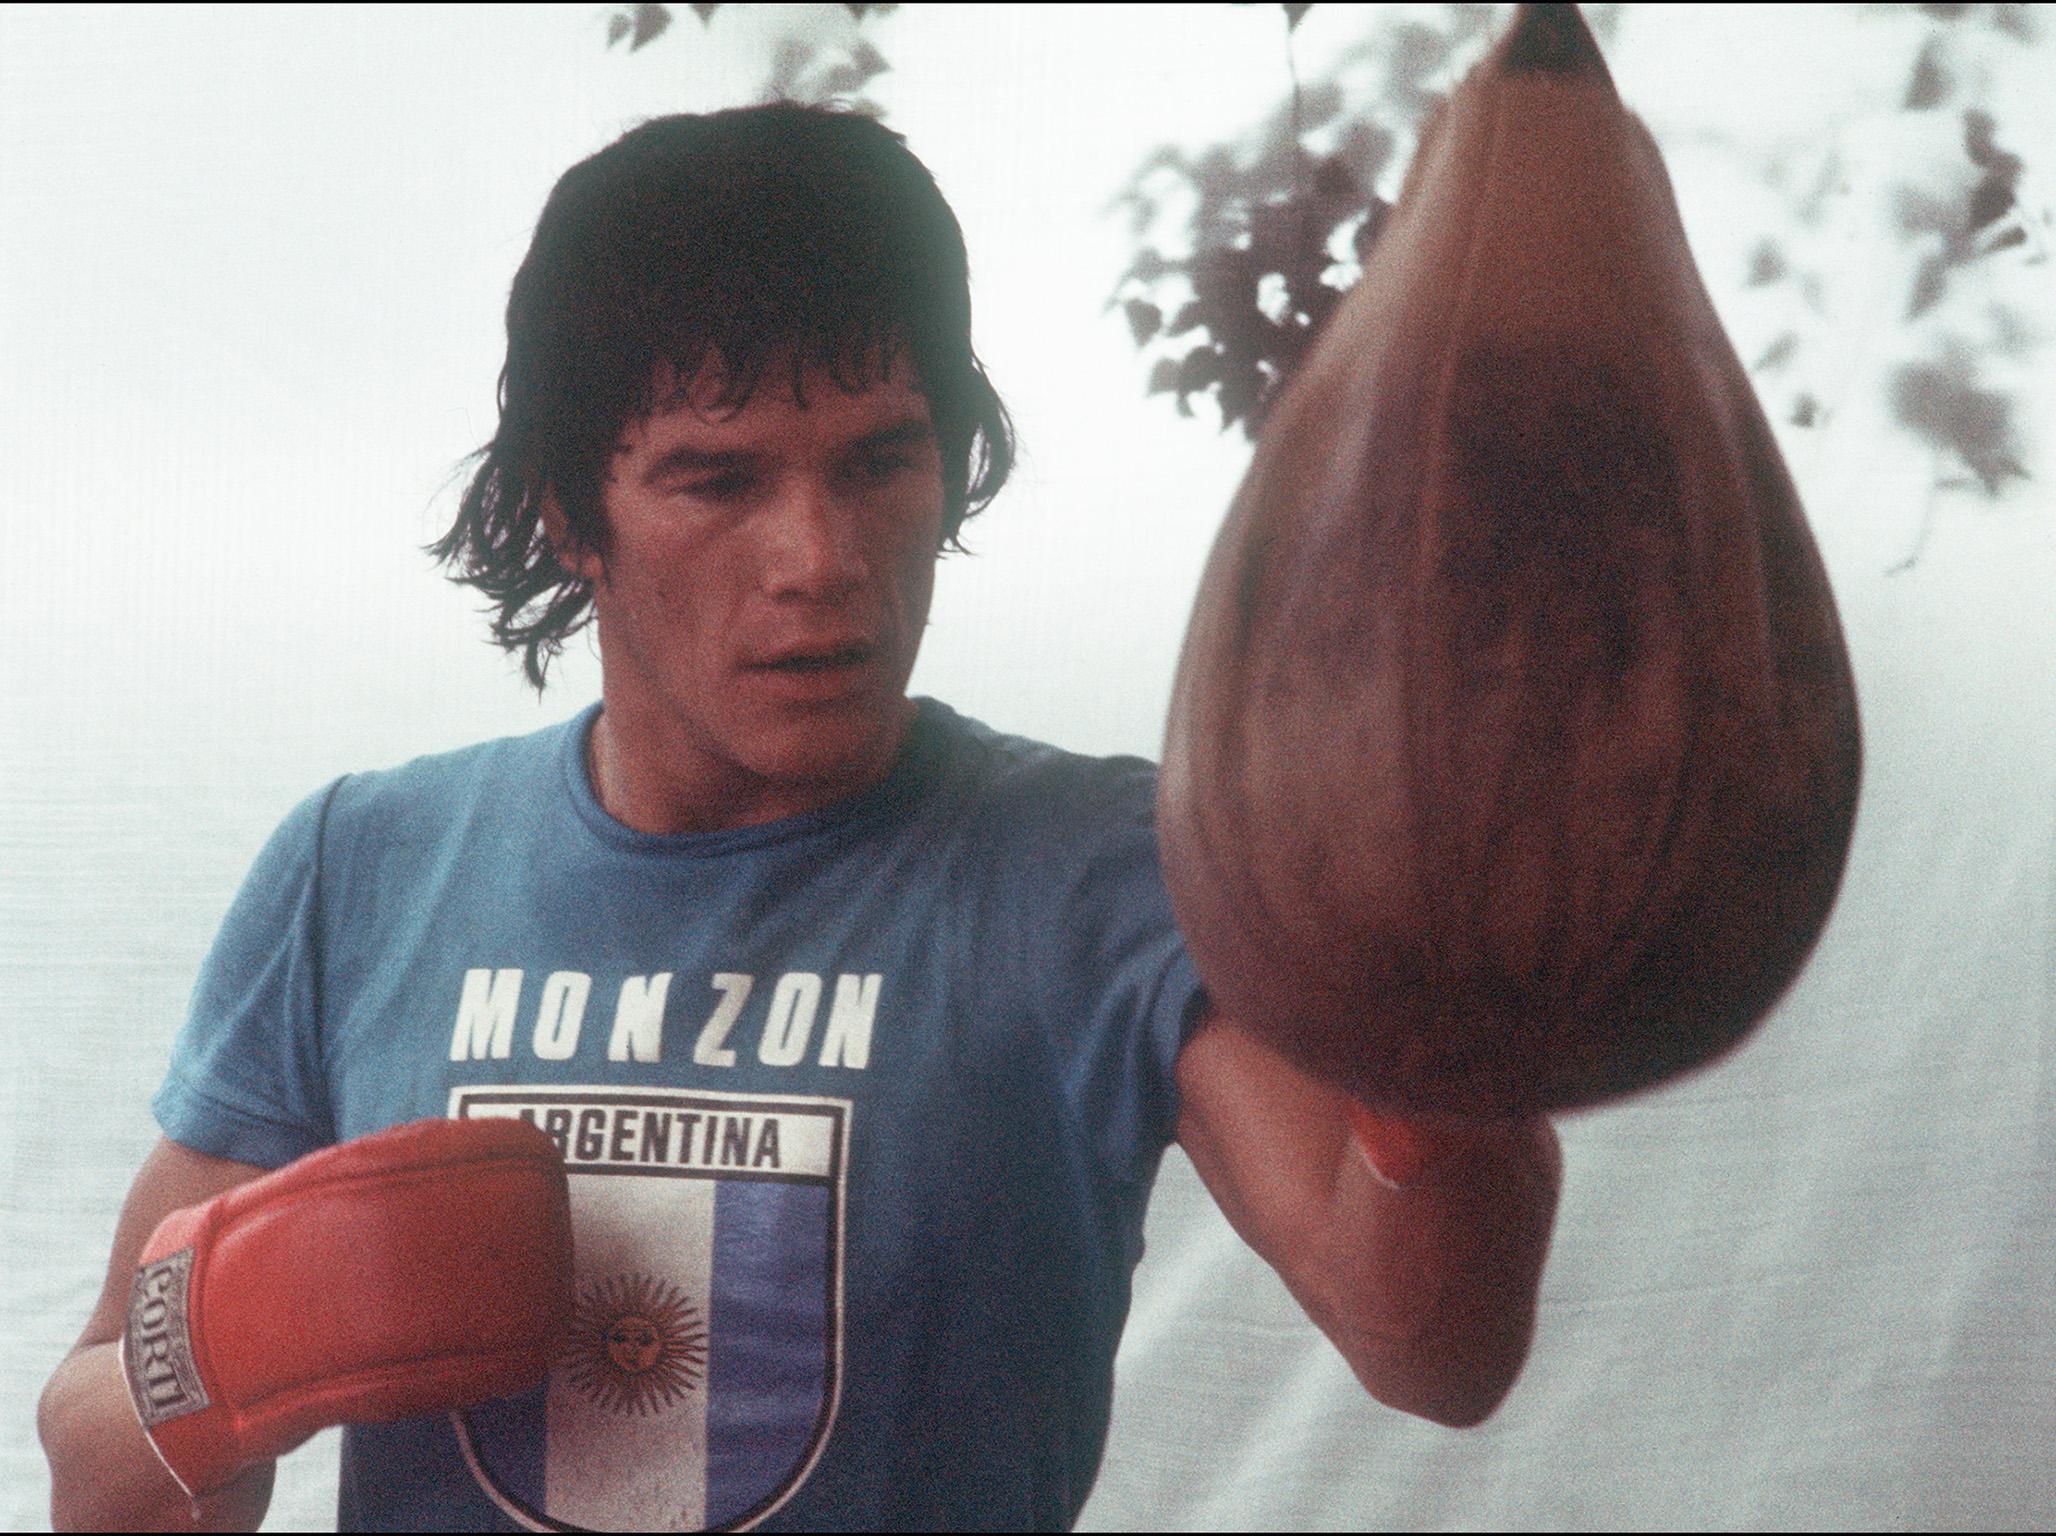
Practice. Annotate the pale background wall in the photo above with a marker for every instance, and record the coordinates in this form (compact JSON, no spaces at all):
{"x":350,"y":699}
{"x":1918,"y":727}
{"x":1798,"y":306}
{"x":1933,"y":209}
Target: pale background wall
{"x":252,"y":262}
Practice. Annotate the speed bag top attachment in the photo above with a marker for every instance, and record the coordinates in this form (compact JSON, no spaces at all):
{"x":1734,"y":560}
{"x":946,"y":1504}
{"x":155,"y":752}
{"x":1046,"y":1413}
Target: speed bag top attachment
{"x":1513,"y":755}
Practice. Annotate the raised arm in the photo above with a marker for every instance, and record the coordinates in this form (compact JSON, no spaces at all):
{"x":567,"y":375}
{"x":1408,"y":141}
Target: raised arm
{"x":1427,"y":1290}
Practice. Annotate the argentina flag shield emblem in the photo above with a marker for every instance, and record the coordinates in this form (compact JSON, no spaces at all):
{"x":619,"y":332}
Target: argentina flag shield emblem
{"x":702,"y":1368}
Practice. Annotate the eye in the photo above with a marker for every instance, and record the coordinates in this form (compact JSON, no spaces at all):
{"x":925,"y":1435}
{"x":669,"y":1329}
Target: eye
{"x":884,"y":466}
{"x":730,"y":485}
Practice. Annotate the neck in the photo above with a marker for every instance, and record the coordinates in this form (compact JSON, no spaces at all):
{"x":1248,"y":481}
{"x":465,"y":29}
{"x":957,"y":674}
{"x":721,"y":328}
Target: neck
{"x":649,"y":775}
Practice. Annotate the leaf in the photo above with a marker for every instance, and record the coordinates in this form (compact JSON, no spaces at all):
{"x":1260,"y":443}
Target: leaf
{"x":851,"y":76}
{"x":1989,"y":201}
{"x":1778,"y":353}
{"x":1198,"y":368}
{"x":1148,"y":266}
{"x":1928,"y":283}
{"x":2013,"y":236}
{"x":1144,"y":319}
{"x":1267,"y":208}
{"x":1324,"y":301}
{"x":1766,"y":265}
{"x":867,"y":58}
{"x":1237,"y":396}
{"x":1805,"y":411}
{"x":1335,"y":183}
{"x":1224,"y":281}
{"x":706,"y":12}
{"x":1320,"y":103}
{"x":1981,"y":144}
{"x":1918,"y":212}
{"x":1364,"y":147}
{"x":1275,"y":229}
{"x":1930,"y":83}
{"x":861,"y":11}
{"x":1311,"y":297}
{"x":2016,"y":21}
{"x":788,"y":65}
{"x":642,"y":24}
{"x":1294,"y":14}
{"x":1940,"y":402}
{"x":652,"y":21}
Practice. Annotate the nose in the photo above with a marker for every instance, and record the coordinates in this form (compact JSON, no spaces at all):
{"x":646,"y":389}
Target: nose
{"x":813,"y":546}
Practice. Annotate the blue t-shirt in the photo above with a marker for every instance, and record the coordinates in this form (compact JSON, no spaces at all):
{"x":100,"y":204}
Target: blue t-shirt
{"x":862,"y":1109}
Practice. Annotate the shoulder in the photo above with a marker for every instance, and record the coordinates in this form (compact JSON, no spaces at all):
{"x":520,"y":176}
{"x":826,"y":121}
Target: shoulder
{"x":1016,"y":783}
{"x":385,"y":823}
{"x":1047,"y":830}
{"x":432,"y":791}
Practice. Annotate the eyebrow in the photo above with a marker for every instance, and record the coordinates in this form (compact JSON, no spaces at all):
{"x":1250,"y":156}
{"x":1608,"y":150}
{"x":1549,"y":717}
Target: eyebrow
{"x":906,"y":433}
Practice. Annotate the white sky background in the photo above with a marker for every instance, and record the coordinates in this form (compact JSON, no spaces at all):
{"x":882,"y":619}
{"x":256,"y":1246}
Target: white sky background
{"x":255,"y":261}
{"x":252,"y":268}
{"x":266,"y":257}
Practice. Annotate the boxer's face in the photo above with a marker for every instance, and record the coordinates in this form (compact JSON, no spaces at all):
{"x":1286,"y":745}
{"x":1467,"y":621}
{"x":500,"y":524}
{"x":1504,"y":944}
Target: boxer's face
{"x":767,"y":586}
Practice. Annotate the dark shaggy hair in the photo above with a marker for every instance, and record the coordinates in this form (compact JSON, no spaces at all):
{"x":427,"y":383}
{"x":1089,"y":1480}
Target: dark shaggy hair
{"x":739,"y":238}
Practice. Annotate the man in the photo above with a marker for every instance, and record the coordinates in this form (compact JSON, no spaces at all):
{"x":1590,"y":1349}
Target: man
{"x":860,"y":1027}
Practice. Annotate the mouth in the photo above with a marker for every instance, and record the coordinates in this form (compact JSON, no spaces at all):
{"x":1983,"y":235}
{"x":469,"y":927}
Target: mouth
{"x":821,"y":675}
{"x":810,"y":662}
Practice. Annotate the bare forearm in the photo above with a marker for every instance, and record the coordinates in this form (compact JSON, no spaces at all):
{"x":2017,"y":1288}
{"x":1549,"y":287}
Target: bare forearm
{"x":104,"y":1475}
{"x":1430,"y":1290}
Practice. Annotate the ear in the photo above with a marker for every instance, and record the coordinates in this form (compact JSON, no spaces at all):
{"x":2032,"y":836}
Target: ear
{"x":571,"y":554}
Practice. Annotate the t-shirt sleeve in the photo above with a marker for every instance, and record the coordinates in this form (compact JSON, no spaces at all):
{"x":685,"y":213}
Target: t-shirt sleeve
{"x":245,"y":1080}
{"x":1121,"y":995}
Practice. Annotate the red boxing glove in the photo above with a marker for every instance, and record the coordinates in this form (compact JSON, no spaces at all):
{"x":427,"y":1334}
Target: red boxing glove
{"x":422,"y":1268}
